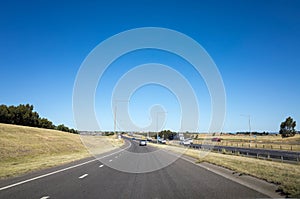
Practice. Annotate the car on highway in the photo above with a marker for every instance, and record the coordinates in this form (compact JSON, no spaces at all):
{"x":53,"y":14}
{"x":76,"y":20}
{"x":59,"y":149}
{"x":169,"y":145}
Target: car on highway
{"x":143,"y":143}
{"x":162,"y":141}
{"x":187,"y":141}
{"x":216,"y":139}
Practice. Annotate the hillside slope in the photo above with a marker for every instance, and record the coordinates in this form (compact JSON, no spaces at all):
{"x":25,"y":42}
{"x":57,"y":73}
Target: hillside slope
{"x":24,"y":149}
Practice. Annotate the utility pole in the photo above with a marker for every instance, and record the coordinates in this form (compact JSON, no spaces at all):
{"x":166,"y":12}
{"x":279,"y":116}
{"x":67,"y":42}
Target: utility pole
{"x":115,"y":119}
{"x":115,"y":114}
{"x":157,"y":124}
{"x":249,"y":123}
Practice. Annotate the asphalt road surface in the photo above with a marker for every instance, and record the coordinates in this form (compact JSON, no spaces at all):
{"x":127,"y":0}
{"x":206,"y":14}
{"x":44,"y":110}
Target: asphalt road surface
{"x":94,"y":179}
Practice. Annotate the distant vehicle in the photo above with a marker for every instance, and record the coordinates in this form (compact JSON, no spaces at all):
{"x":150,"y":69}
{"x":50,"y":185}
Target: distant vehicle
{"x":143,"y":143}
{"x":162,"y":141}
{"x":133,"y":138}
{"x":149,"y":139}
{"x":187,"y":141}
{"x":216,"y":139}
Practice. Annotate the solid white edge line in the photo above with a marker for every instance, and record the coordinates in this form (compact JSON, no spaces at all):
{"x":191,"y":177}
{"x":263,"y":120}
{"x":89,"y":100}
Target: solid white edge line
{"x":83,"y":176}
{"x":60,"y":170}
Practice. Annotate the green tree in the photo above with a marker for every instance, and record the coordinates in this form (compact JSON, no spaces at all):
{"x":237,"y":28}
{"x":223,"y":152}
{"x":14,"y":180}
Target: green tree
{"x":4,"y":113}
{"x":45,"y":123}
{"x":287,"y":128}
{"x":24,"y":115}
{"x":167,"y":134}
{"x":73,"y":131}
{"x":62,"y":127}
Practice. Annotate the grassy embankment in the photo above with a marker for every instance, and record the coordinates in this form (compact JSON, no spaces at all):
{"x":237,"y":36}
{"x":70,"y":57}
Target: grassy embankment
{"x":24,"y":149}
{"x":287,"y":176}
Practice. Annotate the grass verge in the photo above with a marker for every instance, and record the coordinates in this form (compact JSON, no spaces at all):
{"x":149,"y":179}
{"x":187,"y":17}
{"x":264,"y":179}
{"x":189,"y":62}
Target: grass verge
{"x":287,"y":176}
{"x":25,"y":149}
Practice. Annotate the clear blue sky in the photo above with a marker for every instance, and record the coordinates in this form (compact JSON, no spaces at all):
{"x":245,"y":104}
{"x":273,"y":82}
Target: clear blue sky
{"x":255,"y":44}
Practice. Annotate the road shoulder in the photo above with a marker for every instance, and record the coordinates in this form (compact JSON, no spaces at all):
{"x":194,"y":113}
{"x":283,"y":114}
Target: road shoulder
{"x":254,"y":183}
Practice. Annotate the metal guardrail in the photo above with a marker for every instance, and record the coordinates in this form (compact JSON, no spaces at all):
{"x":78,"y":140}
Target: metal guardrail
{"x":283,"y":156}
{"x":258,"y":153}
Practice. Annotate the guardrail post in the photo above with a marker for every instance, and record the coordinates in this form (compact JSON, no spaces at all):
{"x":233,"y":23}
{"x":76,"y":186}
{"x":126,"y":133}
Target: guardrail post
{"x":281,"y":158}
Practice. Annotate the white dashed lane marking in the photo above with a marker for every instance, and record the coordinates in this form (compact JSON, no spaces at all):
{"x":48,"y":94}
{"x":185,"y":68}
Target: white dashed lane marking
{"x":83,"y":176}
{"x":61,"y":170}
{"x":45,"y":197}
{"x":101,"y":165}
{"x":110,"y":160}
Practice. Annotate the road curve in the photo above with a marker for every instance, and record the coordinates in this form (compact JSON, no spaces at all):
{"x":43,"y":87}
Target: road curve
{"x":181,"y":179}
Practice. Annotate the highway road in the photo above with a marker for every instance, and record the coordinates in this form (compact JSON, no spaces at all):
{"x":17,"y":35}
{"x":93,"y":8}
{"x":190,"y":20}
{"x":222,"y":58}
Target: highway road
{"x":94,"y":179}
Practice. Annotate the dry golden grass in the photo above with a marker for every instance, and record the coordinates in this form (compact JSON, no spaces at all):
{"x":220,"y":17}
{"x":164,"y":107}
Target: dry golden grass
{"x":24,"y":149}
{"x":27,"y":164}
{"x":284,"y":174}
{"x":101,"y":144}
